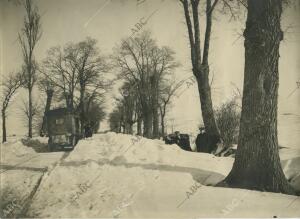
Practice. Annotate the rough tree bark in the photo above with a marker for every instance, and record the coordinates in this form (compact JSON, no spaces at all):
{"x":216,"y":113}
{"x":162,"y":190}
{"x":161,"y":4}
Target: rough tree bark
{"x":257,"y":163}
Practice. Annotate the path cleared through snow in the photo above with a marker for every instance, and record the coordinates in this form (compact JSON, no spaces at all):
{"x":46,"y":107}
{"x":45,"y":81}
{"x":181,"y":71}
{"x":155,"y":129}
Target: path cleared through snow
{"x":116,"y":175}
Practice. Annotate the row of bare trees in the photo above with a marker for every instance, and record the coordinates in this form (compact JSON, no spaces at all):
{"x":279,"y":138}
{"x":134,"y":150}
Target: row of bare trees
{"x":148,"y":87}
{"x":257,"y":163}
{"x":74,"y":74}
{"x":77,"y":73}
{"x":28,"y":37}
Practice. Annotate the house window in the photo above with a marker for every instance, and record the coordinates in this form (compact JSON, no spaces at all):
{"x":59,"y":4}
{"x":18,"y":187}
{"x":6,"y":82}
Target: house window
{"x":59,"y":121}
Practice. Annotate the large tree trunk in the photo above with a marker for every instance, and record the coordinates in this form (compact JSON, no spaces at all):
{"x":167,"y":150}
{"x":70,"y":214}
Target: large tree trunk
{"x":120,"y":127}
{"x":155,"y":122}
{"x":162,"y":120}
{"x":128,"y":128}
{"x":162,"y":123}
{"x":30,"y":113}
{"x":3,"y":126}
{"x":49,"y":93}
{"x":139,"y":126}
{"x":147,"y":120}
{"x":200,"y":66}
{"x":82,"y":112}
{"x":257,"y":162}
{"x":69,"y":101}
{"x":154,"y":104}
{"x":49,"y":100}
{"x":206,"y":102}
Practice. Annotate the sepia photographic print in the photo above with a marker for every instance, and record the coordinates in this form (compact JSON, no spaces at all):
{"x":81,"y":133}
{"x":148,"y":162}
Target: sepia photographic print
{"x":150,"y":108}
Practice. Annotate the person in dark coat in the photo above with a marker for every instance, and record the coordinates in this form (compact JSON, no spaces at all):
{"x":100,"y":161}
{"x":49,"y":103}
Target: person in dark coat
{"x":88,"y":131}
{"x":182,"y":140}
{"x":169,"y":139}
{"x":206,"y":143}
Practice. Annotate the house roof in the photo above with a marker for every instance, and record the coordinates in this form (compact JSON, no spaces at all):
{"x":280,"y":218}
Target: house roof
{"x":60,"y":111}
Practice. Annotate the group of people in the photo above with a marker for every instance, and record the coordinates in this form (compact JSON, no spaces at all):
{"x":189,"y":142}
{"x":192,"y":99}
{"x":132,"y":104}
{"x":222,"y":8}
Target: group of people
{"x":182,"y":140}
{"x":205,"y":142}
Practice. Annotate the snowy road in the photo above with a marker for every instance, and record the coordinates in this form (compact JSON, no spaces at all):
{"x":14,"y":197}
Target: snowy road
{"x":115,"y":175}
{"x":39,"y":162}
{"x":21,"y":171}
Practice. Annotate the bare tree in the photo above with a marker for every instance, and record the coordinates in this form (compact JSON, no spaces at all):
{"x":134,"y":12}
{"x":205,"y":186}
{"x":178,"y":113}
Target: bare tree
{"x":140,"y":60}
{"x":165,"y":98}
{"x":9,"y":87}
{"x":257,"y":163}
{"x":133,"y":60}
{"x":164,"y":63}
{"x":90,"y":67}
{"x":60,"y":70}
{"x":228,"y":119}
{"x":28,"y":38}
{"x":35,"y":113}
{"x":200,"y":64}
{"x":115,"y":120}
{"x":129,"y":101}
{"x":77,"y":69}
{"x":94,"y":114}
{"x":48,"y":88}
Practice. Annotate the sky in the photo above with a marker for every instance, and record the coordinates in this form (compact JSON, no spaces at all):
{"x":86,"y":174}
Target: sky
{"x":109,"y":21}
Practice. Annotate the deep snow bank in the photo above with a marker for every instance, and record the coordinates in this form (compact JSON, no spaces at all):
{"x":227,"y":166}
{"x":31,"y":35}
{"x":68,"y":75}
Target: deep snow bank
{"x":21,"y":170}
{"x":18,"y":147}
{"x":136,"y":149}
{"x":15,"y":184}
{"x":116,"y":175}
{"x":12,"y":151}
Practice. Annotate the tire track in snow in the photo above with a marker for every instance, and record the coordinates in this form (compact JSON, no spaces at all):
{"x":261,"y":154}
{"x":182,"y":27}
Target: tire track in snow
{"x":30,"y":198}
{"x":28,"y":202}
{"x":18,"y":164}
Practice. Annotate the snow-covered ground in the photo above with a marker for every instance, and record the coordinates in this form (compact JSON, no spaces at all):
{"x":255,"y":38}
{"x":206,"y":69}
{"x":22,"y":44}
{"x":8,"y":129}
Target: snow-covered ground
{"x":116,"y":175}
{"x":21,"y":170}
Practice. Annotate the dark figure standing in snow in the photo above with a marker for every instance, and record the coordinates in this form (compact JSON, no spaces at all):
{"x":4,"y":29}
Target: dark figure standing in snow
{"x":88,"y":131}
{"x":182,"y":140}
{"x":206,"y":143}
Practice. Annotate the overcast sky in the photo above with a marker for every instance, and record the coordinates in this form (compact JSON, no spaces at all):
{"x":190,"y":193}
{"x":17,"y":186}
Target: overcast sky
{"x":109,"y":21}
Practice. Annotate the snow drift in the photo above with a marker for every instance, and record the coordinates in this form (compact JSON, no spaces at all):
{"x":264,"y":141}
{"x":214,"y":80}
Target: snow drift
{"x":116,"y":175}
